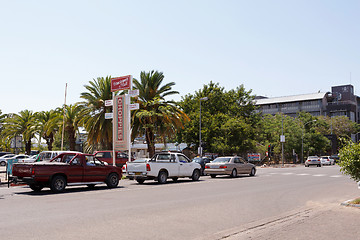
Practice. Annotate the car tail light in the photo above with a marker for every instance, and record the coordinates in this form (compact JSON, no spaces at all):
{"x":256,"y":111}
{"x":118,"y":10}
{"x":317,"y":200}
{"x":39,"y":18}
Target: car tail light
{"x":223,"y":167}
{"x":207,"y":166}
{"x":148,"y":167}
{"x":32,"y":171}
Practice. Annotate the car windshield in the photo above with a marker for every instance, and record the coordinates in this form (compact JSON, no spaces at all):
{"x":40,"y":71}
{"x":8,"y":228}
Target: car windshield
{"x":197,"y":160}
{"x":222,"y":160}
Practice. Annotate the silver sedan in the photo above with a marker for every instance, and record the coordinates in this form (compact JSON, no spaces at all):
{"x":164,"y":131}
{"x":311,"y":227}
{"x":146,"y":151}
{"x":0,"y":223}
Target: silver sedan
{"x":232,"y":166}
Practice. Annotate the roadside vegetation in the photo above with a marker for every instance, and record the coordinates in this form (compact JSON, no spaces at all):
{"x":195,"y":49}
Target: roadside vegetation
{"x":230,"y":123}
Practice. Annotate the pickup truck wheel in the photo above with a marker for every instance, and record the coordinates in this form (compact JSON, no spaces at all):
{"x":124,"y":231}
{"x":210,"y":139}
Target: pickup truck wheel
{"x":162,"y":177}
{"x":112,"y":180}
{"x":58,"y":184}
{"x":196,"y":175}
{"x":140,"y":181}
{"x":36,"y":187}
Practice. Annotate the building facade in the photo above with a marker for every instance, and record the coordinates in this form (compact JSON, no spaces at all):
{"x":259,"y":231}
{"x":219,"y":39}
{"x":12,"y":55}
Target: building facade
{"x":341,"y":101}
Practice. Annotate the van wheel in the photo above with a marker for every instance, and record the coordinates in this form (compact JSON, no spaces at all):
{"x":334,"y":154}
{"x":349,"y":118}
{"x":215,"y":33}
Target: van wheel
{"x":58,"y":184}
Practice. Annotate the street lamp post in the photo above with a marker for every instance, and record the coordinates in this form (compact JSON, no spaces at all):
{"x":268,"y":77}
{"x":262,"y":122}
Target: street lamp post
{"x":302,"y":141}
{"x":200,"y":147}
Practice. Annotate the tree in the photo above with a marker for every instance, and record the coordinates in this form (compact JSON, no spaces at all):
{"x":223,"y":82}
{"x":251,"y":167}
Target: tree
{"x":93,"y":112}
{"x":3,"y":144}
{"x":72,"y":120}
{"x":155,"y":115}
{"x":23,"y":124}
{"x":227,"y":118}
{"x":350,"y":160}
{"x":48,"y":124}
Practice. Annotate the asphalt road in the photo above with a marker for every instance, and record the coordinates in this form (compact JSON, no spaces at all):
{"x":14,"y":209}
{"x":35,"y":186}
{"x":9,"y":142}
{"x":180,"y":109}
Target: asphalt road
{"x":260,"y":207}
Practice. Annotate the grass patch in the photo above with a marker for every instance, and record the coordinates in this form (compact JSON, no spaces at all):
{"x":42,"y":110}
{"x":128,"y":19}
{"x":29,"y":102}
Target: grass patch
{"x":356,"y":201}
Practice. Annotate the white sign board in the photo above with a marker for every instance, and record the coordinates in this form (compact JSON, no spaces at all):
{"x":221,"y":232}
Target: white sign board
{"x":134,"y":106}
{"x":109,"y":115}
{"x":282,"y":138}
{"x":134,"y":93}
{"x":108,"y":103}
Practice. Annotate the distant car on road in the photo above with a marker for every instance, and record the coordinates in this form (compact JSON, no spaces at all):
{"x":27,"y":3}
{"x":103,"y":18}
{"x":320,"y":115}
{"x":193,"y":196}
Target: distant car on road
{"x":29,"y":159}
{"x":327,"y":160}
{"x":202,"y":161}
{"x":232,"y":165}
{"x":3,"y":159}
{"x":106,"y":156}
{"x":313,"y":160}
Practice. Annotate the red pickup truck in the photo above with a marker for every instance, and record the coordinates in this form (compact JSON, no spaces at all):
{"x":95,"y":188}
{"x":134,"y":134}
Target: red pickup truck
{"x":67,"y":169}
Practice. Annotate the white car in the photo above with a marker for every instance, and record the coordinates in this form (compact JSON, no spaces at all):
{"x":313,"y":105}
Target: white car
{"x":28,"y":159}
{"x":3,"y":159}
{"x":163,"y":166}
{"x":327,"y":160}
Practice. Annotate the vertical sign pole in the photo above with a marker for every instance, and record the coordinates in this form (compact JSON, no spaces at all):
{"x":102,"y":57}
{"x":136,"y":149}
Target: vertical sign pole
{"x":129,"y":112}
{"x":114,"y":127}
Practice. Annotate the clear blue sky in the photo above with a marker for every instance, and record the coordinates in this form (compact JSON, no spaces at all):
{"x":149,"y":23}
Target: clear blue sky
{"x":274,"y":47}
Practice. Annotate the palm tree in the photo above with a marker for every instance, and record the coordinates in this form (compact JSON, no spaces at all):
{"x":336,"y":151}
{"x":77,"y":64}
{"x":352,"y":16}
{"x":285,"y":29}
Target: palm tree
{"x":71,"y":123}
{"x":23,"y":124}
{"x":48,"y":123}
{"x":155,"y":115}
{"x":93,"y":112}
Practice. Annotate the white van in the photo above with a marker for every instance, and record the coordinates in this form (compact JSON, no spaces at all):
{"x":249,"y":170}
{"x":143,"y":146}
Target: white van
{"x":48,"y":155}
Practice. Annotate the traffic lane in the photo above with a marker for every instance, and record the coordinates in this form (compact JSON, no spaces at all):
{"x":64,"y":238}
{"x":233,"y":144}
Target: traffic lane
{"x":180,"y":210}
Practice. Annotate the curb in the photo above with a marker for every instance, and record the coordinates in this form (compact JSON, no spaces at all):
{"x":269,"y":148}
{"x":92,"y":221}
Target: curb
{"x":348,"y":204}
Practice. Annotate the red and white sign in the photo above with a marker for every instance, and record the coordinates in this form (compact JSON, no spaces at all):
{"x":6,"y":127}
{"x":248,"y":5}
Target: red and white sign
{"x":120,"y":124}
{"x":121,"y":83}
{"x":108,"y":103}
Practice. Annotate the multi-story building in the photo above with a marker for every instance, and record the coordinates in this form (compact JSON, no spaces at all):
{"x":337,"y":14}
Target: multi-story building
{"x":341,"y":101}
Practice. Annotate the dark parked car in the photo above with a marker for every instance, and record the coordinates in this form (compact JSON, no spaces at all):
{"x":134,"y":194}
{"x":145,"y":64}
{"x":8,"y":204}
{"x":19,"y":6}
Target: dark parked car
{"x":202,"y":161}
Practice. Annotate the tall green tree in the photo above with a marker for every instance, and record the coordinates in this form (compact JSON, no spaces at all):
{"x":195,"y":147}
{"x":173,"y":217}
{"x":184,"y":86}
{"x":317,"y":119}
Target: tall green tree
{"x":93,"y":112}
{"x":48,"y":125}
{"x":227,"y":120}
{"x":156,"y":115}
{"x":22,"y":124}
{"x":71,"y":120}
{"x":3,"y":144}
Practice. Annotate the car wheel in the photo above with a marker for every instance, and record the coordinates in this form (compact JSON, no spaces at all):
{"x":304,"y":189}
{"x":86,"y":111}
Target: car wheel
{"x":112,"y":180}
{"x":196,"y":175}
{"x":162,"y":177}
{"x":58,"y":184}
{"x":3,"y":163}
{"x":36,"y":187}
{"x":140,"y":181}
{"x":233,"y":173}
{"x":253,"y":171}
{"x":212,"y":175}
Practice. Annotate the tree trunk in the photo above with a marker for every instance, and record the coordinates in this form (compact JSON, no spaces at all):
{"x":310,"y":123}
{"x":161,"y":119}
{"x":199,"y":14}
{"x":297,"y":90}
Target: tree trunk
{"x":150,"y":141}
{"x":28,"y":146}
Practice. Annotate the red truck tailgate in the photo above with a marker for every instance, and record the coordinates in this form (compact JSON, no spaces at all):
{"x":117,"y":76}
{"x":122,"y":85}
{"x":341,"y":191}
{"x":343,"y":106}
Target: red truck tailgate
{"x":22,"y":170}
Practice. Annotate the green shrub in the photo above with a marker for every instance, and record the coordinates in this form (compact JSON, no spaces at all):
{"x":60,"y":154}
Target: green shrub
{"x":350,"y":160}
